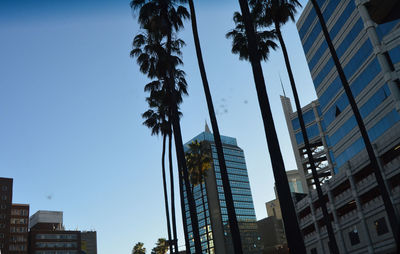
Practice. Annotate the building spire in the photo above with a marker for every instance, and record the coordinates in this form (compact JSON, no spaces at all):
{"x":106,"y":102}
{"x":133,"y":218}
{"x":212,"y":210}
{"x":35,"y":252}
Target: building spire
{"x":206,"y":127}
{"x":283,"y":89}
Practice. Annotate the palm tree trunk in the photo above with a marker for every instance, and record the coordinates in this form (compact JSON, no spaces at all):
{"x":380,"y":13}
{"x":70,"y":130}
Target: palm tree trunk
{"x":333,"y":244}
{"x":183,"y":171}
{"x":165,"y":192}
{"x":233,"y":224}
{"x":171,"y":177}
{"x":390,"y":210}
{"x":205,"y":217}
{"x":180,"y":153}
{"x":293,"y":234}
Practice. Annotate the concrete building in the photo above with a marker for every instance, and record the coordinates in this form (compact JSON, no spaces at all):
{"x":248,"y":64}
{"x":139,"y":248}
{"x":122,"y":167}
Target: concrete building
{"x":370,"y":56}
{"x":47,"y":235}
{"x":318,"y":143}
{"x":272,"y":235}
{"x":219,"y":240}
{"x":6,"y":185}
{"x":19,"y":229}
{"x":89,"y":242}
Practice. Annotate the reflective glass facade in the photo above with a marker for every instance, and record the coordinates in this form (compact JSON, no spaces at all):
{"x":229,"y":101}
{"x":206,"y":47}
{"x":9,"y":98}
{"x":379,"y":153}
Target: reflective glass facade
{"x":243,"y":201}
{"x":364,"y":71}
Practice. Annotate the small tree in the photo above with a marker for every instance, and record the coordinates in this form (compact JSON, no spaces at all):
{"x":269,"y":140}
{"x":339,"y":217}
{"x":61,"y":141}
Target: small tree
{"x":139,"y":248}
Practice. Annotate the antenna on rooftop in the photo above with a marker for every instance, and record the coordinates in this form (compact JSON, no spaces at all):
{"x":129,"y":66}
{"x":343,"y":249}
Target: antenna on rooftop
{"x":283,"y":89}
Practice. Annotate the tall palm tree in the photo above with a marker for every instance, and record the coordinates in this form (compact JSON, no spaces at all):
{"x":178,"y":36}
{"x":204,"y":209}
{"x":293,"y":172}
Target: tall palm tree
{"x":164,"y":18}
{"x":233,"y":224}
{"x":161,"y":247}
{"x":293,"y":234}
{"x":278,"y":13}
{"x":390,"y":210}
{"x":198,"y":160}
{"x":156,"y":120}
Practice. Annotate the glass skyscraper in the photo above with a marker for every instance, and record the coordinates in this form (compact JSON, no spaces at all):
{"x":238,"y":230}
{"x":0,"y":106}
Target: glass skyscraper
{"x":370,"y":56}
{"x":215,"y":216}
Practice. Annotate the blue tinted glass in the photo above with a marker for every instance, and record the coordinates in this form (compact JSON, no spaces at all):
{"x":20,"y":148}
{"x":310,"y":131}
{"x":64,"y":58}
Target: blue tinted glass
{"x":299,"y":186}
{"x":296,"y":124}
{"x":330,"y":114}
{"x":307,"y":23}
{"x":323,"y":72}
{"x":330,"y":92}
{"x":350,"y":152}
{"x":395,"y":55}
{"x":343,"y":17}
{"x":383,"y":125}
{"x":350,"y":37}
{"x":312,"y":37}
{"x":370,"y":72}
{"x":358,"y":59}
{"x":385,"y":28}
{"x":343,"y":130}
{"x":312,"y":132}
{"x":317,"y":56}
{"x":329,"y":9}
{"x":374,"y":101}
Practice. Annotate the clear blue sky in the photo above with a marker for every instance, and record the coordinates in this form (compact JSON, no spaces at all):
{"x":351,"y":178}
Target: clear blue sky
{"x":70,"y":104}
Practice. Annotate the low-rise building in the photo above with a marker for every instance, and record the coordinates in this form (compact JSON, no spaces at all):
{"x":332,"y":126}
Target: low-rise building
{"x":19,"y":229}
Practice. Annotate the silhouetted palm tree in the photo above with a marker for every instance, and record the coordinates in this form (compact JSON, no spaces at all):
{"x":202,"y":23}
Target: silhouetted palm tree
{"x":233,"y":224}
{"x":161,"y":247}
{"x":139,"y":248}
{"x":163,"y":19}
{"x":156,"y":120}
{"x":293,"y":234}
{"x":278,"y":13}
{"x":390,"y":210}
{"x":198,"y":161}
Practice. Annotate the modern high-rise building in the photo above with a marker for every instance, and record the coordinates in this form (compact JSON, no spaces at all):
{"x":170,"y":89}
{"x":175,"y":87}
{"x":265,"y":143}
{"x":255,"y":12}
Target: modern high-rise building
{"x":370,"y":56}
{"x":19,"y":229}
{"x":6,"y":185}
{"x":215,"y":214}
{"x":318,"y":143}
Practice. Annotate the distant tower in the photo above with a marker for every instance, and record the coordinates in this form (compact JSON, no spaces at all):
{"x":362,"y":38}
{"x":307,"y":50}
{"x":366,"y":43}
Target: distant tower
{"x":216,"y":214}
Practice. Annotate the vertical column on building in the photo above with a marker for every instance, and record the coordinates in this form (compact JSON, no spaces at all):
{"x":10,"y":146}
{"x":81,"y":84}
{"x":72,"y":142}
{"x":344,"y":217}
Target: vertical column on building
{"x":336,"y":222}
{"x":323,"y":138}
{"x":359,"y":207}
{"x":389,"y":77}
{"x":315,"y":222}
{"x":385,"y":180}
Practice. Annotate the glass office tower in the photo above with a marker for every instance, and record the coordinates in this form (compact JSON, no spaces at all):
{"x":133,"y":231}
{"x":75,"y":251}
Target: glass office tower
{"x":370,"y":56}
{"x":215,"y":216}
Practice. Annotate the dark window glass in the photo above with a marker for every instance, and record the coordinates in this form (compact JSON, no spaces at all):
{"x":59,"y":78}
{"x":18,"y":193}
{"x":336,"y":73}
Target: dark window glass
{"x":395,"y":55}
{"x":312,"y":132}
{"x":354,"y":237}
{"x":385,"y":28}
{"x":313,"y":251}
{"x":380,"y":226}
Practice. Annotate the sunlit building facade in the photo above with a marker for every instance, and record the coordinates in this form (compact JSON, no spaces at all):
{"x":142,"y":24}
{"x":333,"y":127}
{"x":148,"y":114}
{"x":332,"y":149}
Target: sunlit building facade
{"x":370,"y":56}
{"x":215,"y":214}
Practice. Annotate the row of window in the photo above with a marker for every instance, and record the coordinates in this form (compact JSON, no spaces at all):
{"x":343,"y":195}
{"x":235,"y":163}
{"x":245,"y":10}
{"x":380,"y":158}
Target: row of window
{"x":363,"y":79}
{"x":308,"y":117}
{"x":57,"y":236}
{"x":376,"y":131}
{"x":18,"y":229}
{"x":357,"y":86}
{"x":357,"y":28}
{"x":395,"y":55}
{"x":20,"y":212}
{"x":56,"y":252}
{"x":19,"y":221}
{"x":312,"y":131}
{"x":56,"y":244}
{"x":18,"y":247}
{"x":4,"y":188}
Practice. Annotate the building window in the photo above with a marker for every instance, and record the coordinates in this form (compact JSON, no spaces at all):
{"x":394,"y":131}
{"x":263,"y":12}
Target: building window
{"x":380,"y":226}
{"x":4,"y":197}
{"x":354,"y":237}
{"x":3,"y":206}
{"x":4,"y":188}
{"x":313,"y":251}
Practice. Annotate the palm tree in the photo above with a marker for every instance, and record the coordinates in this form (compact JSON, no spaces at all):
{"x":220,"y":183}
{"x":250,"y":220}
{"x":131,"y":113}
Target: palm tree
{"x":390,"y":210}
{"x":233,"y":224}
{"x":156,"y":120}
{"x":293,"y":234}
{"x":139,"y":248}
{"x":161,"y":247}
{"x":163,"y":19}
{"x":278,"y":13}
{"x":198,"y":160}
